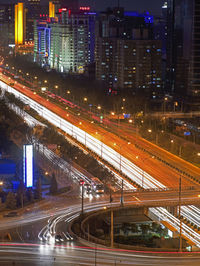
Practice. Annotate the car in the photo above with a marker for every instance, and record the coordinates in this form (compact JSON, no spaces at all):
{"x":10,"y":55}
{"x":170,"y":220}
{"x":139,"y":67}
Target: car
{"x":87,"y":188}
{"x":11,"y":214}
{"x":58,"y":238}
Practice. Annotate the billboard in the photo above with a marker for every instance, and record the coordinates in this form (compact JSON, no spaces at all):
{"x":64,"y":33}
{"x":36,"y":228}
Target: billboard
{"x":28,"y":165}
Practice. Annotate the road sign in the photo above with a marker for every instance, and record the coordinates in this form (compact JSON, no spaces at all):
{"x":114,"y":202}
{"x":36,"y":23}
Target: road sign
{"x":187,"y":133}
{"x":127,"y":115}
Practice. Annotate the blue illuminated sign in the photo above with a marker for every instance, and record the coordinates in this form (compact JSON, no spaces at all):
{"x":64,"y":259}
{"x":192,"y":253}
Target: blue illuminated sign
{"x":28,"y":165}
{"x":147,"y":17}
{"x":187,"y":133}
{"x":127,"y":115}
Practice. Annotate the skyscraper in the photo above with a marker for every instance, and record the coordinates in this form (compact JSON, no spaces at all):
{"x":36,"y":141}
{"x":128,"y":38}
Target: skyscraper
{"x":20,"y":25}
{"x":7,"y":24}
{"x":34,"y":8}
{"x":184,"y":48}
{"x":66,"y":43}
{"x":127,"y":57}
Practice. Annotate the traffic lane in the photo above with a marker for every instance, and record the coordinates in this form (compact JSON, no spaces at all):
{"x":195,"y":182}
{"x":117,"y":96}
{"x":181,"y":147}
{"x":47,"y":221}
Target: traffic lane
{"x":162,"y":173}
{"x":169,"y":179}
{"x":156,"y":169}
{"x":169,"y":157}
{"x":77,"y":255}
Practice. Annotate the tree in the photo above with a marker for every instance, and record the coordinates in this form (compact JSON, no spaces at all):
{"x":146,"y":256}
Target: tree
{"x":11,"y":202}
{"x":21,"y":194}
{"x":29,"y":194}
{"x":134,"y":228}
{"x":38,"y":190}
{"x":53,"y":185}
{"x":144,"y":228}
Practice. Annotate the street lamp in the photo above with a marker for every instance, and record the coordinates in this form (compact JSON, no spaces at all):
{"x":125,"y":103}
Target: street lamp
{"x":179,"y":214}
{"x":143,"y":160}
{"x":120,"y":158}
{"x":101,"y":136}
{"x":164,"y":104}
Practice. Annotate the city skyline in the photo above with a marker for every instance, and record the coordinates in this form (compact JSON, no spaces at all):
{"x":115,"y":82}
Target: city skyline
{"x":143,"y":5}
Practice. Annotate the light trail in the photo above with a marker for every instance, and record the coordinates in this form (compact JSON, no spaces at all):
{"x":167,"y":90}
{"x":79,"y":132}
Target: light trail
{"x":95,"y":145}
{"x":107,"y":153}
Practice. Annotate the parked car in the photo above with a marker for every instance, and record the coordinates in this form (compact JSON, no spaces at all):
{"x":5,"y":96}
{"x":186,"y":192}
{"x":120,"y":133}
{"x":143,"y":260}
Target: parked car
{"x":11,"y":214}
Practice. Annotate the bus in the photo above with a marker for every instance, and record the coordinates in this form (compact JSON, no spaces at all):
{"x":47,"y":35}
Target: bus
{"x":97,"y":185}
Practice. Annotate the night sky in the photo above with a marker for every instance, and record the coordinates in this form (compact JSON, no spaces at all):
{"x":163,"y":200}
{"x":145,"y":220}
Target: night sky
{"x":153,"y":6}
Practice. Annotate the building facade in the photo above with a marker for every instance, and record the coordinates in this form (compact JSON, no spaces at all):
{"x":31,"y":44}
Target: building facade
{"x":7,"y":34}
{"x":69,"y":44}
{"x":20,"y":24}
{"x":127,"y":57}
{"x":184,"y":55}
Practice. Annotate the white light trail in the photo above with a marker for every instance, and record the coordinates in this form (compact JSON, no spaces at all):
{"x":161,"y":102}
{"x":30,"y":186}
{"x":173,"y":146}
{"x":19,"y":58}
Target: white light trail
{"x":107,"y":153}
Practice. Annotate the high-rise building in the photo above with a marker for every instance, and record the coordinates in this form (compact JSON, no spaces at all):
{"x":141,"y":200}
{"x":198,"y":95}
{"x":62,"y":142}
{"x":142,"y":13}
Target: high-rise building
{"x":127,"y":57}
{"x":7,"y":35}
{"x":51,"y":10}
{"x":20,"y":23}
{"x":41,"y":42}
{"x":34,"y":8}
{"x":184,"y":53}
{"x":71,"y":4}
{"x":71,"y":44}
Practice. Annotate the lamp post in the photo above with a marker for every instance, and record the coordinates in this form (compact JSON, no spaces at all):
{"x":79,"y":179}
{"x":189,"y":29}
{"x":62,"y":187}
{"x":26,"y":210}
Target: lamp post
{"x":180,"y":239}
{"x":101,"y":136}
{"x":90,"y":106}
{"x":111,"y":229}
{"x":82,"y":195}
{"x":122,"y":193}
{"x":143,"y":160}
{"x":120,"y":157}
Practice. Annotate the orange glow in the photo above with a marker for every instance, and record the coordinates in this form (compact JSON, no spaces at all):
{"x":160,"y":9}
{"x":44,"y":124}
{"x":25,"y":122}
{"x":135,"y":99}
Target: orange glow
{"x":51,"y":10}
{"x":19,"y":23}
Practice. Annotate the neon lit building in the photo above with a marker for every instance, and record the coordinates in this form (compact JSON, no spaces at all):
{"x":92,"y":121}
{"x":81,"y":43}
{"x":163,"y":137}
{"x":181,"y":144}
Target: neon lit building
{"x":20,"y":23}
{"x":41,"y":42}
{"x":66,"y":43}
